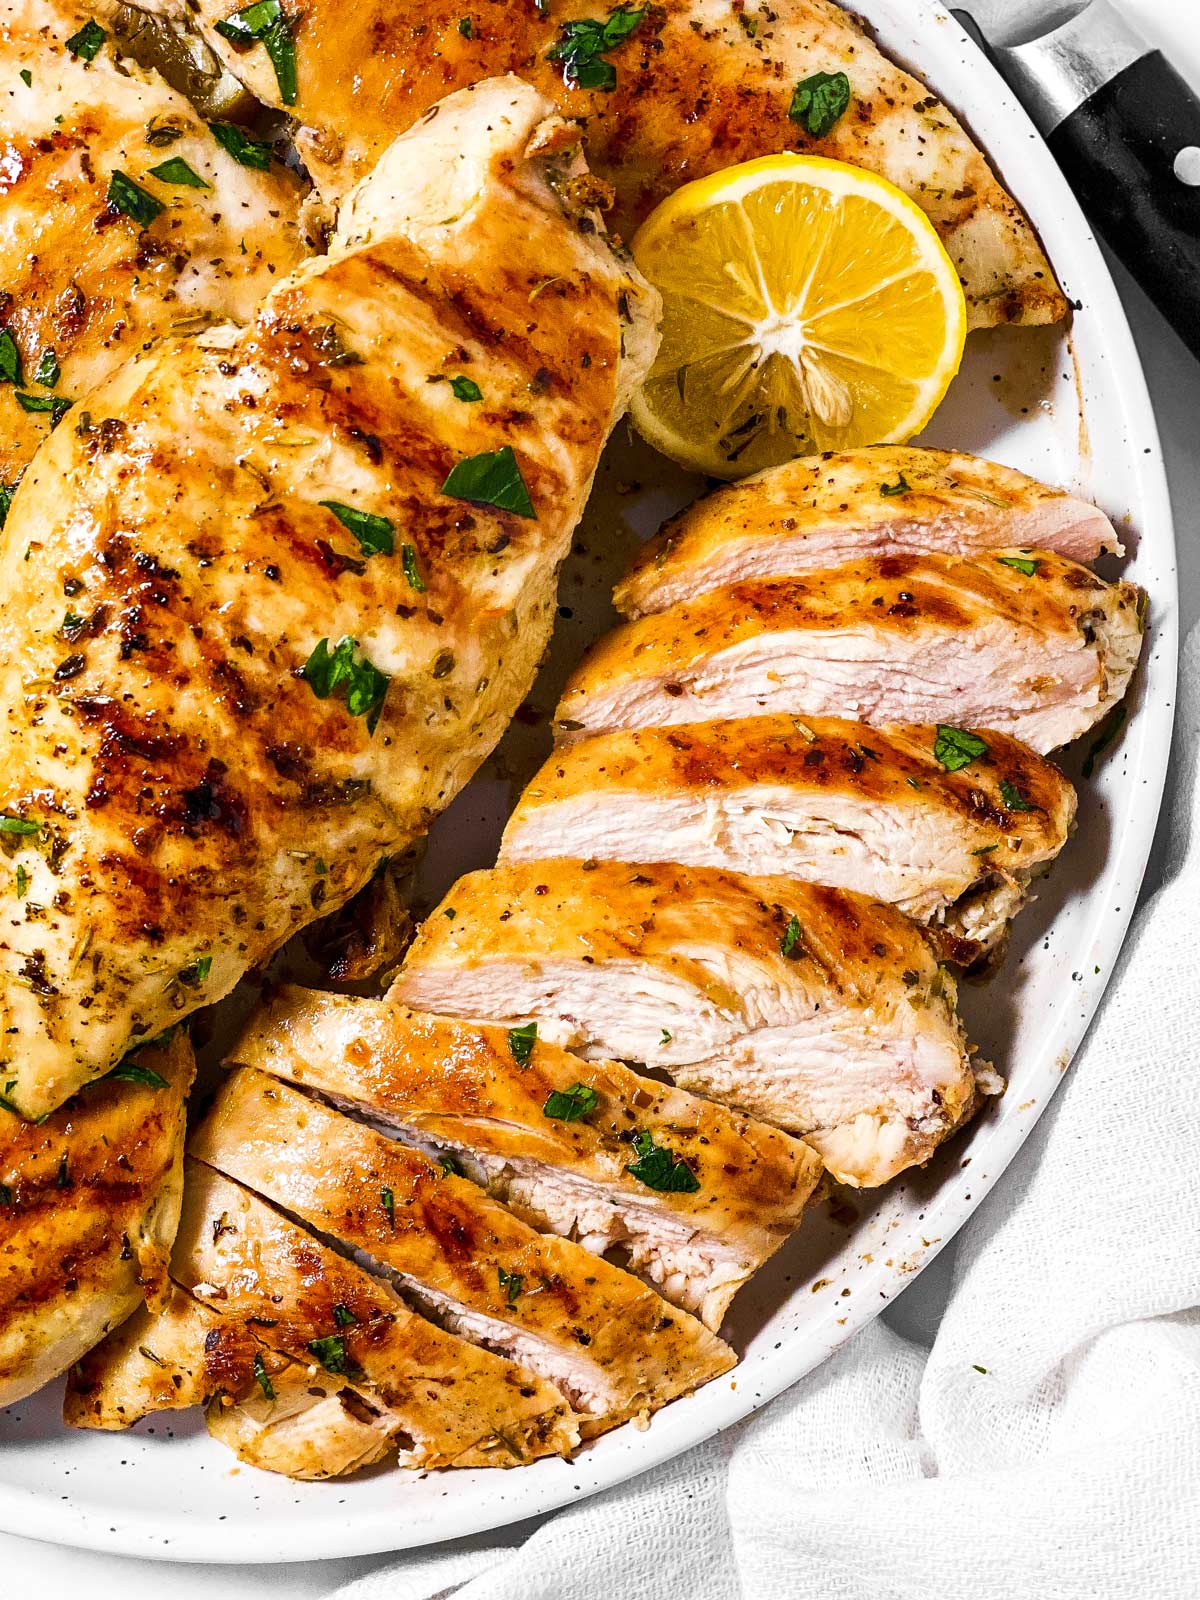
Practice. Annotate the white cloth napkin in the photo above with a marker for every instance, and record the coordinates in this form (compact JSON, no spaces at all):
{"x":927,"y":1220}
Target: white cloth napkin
{"x":1070,"y":1468}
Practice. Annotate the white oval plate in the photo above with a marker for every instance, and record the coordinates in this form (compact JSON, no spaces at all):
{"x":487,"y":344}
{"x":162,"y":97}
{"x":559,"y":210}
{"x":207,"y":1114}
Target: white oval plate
{"x":1070,"y":408}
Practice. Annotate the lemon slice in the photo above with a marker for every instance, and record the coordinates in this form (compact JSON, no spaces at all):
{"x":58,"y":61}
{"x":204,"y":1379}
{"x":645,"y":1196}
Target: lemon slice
{"x":807,"y":305}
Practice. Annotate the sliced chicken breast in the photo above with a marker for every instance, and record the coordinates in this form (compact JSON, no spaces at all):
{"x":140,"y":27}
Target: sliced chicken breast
{"x":822,"y":511}
{"x":869,"y":809}
{"x":553,"y":1136}
{"x":1027,"y":643}
{"x":308,"y":577}
{"x":684,"y":88}
{"x":609,"y":1343}
{"x":812,"y":1008}
{"x":259,"y":1296}
{"x":92,"y":271}
{"x":89,"y":1202}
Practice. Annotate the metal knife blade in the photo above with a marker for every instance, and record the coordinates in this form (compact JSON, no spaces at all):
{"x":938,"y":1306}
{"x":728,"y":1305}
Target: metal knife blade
{"x":1124,"y":127}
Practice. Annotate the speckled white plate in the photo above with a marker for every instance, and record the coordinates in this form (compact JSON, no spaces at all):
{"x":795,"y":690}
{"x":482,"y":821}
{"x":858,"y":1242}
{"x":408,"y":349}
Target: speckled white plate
{"x":1070,"y":408}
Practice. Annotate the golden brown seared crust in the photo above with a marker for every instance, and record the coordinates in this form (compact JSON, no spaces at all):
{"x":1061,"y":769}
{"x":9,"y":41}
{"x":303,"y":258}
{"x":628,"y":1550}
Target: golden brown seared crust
{"x":700,"y":85}
{"x":1049,"y":638}
{"x":84,"y":280}
{"x":611,"y":1343}
{"x":193,"y":801}
{"x":821,"y":511}
{"x":458,"y":1084}
{"x":259,"y":1296}
{"x":597,"y":911}
{"x":89,"y":1202}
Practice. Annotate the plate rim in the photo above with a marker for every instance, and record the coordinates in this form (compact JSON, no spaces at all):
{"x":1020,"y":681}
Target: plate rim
{"x":174,"y":1537}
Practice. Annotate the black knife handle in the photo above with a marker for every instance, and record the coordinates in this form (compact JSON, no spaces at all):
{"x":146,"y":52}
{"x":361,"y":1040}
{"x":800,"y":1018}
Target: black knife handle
{"x":1119,"y":151}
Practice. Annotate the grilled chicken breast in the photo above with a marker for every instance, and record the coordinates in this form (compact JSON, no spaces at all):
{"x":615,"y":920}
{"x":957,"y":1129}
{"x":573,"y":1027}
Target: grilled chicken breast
{"x":1025,"y":642}
{"x":832,"y":802}
{"x":612,"y":1347}
{"x":293,"y":628}
{"x":92,"y":271}
{"x":809,"y":1007}
{"x":89,"y":1202}
{"x":263,"y":1296}
{"x":695,"y":86}
{"x":553,"y":1136}
{"x":822,"y":511}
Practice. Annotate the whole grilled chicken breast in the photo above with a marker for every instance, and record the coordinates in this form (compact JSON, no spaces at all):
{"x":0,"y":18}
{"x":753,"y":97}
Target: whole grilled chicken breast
{"x":554,"y":1137}
{"x":869,"y":809}
{"x":257,"y":1296}
{"x":89,"y":1202}
{"x":609,"y":1343}
{"x":695,"y":86}
{"x":93,"y":272}
{"x":1025,"y":642}
{"x":809,"y":1007}
{"x":822,"y":511}
{"x":307,"y":575}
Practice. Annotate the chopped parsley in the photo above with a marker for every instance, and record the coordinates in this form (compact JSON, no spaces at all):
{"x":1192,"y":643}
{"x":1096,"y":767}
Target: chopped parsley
{"x":177,"y":171}
{"x":571,"y":1105}
{"x":326,"y":671}
{"x":819,"y":101}
{"x":466,"y":27}
{"x":48,"y":370}
{"x":491,"y":479}
{"x":449,"y":1165}
{"x":331,"y":1353}
{"x":955,"y":748}
{"x":388,"y":1201}
{"x":521,"y":1042}
{"x":247,"y":152}
{"x":132,"y":200}
{"x":160,"y":131}
{"x":264,"y":23}
{"x":665,"y":1038}
{"x":262,"y":1378}
{"x":54,"y":404}
{"x":374,"y":533}
{"x":343,"y":1316}
{"x":1012,"y":797}
{"x":790,"y":944}
{"x":889,"y":491}
{"x":196,"y":972}
{"x":10,"y":358}
{"x":512,"y":1283}
{"x":26,"y":77}
{"x":1026,"y":564}
{"x":985,"y":850}
{"x":85,"y":45}
{"x":464,"y":388}
{"x":22,"y":881}
{"x":130,"y":1072}
{"x":7,"y":490}
{"x":412,"y":569}
{"x":19,"y":825}
{"x":659,"y":1168}
{"x":582,"y":46}
{"x":1107,"y":731}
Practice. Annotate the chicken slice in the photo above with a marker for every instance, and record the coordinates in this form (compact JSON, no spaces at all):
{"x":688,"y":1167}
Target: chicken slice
{"x":552,"y":1136}
{"x":89,"y":1202}
{"x":259,"y":1296}
{"x":1028,"y":643}
{"x":812,"y":1008}
{"x":822,"y":511}
{"x":254,"y":698}
{"x":695,"y":86}
{"x":831,"y":802}
{"x":604,"y":1339}
{"x":88,"y":284}
{"x":273,"y":1412}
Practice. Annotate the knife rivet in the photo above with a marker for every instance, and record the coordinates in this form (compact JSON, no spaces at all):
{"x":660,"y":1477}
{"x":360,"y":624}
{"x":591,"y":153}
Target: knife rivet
{"x":1187,"y":166}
